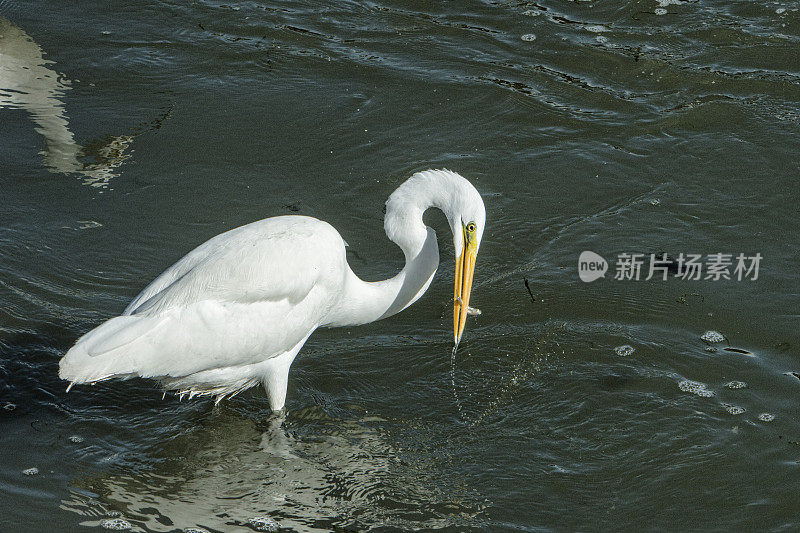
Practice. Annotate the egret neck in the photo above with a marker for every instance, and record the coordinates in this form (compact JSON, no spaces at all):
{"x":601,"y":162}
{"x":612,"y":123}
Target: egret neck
{"x":364,"y":302}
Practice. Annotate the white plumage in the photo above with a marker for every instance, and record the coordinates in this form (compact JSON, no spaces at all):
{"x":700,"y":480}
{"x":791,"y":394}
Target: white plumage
{"x":235,"y":311}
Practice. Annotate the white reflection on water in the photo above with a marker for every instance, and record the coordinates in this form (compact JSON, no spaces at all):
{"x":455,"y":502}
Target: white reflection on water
{"x":27,"y":82}
{"x":313,"y":473}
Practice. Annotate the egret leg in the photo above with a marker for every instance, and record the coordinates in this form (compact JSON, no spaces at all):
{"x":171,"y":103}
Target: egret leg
{"x":276,"y":378}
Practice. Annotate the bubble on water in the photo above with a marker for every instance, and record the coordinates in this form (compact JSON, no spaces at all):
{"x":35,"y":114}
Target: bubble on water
{"x":736,"y":384}
{"x":532,"y":13}
{"x":76,"y":439}
{"x":264,"y":523}
{"x":32,"y":471}
{"x":780,"y":10}
{"x":734,"y":409}
{"x":117,"y":524}
{"x":601,"y":39}
{"x":113,"y":514}
{"x":712,"y":336}
{"x":660,"y":11}
{"x":9,"y":406}
{"x":695,"y":387}
{"x":528,"y":37}
{"x":766,"y":417}
{"x":624,"y":350}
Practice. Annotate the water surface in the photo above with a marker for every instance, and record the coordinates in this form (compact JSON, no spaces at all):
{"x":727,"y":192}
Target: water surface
{"x":128,"y":135}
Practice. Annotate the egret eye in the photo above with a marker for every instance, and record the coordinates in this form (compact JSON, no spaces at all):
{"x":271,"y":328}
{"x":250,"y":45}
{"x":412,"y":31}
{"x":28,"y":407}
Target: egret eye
{"x":471,"y":227}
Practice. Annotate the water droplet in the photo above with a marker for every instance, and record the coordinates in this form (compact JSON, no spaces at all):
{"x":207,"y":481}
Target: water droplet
{"x":76,"y":439}
{"x":264,"y":523}
{"x":734,"y":409}
{"x":31,"y":471}
{"x":624,"y":350}
{"x":117,"y":524}
{"x":736,"y":385}
{"x":712,"y":336}
{"x":660,"y":11}
{"x":766,"y":417}
{"x":695,"y":387}
{"x":528,"y":37}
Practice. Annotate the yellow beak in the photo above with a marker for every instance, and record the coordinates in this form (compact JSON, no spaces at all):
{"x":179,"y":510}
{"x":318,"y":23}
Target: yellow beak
{"x":465,"y":268}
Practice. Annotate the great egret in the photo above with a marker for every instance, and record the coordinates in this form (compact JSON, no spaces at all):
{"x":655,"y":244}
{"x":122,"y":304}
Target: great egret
{"x":235,"y":311}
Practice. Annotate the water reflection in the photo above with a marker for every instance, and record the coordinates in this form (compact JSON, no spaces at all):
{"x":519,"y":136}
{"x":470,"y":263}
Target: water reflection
{"x":309,"y":472}
{"x":27,"y":82}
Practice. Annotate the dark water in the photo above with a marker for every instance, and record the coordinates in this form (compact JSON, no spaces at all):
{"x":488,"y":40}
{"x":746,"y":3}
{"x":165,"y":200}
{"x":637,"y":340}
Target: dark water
{"x":131,"y":133}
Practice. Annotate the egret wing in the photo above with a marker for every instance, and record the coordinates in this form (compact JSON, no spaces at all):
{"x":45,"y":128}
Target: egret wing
{"x":242,"y":297}
{"x":273,"y":259}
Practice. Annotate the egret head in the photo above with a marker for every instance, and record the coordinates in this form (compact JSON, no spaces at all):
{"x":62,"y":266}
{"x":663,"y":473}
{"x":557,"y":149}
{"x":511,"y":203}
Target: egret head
{"x":468,"y":223}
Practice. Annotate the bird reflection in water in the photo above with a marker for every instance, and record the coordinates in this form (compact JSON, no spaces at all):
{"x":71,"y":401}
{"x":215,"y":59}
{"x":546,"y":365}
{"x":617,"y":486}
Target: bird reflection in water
{"x":308,"y":471}
{"x":28,"y":82}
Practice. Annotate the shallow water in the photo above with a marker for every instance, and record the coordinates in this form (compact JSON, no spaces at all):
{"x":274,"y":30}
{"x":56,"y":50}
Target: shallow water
{"x":128,"y":135}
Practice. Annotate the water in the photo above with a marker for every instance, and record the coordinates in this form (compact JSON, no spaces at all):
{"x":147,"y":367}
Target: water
{"x":130,"y":134}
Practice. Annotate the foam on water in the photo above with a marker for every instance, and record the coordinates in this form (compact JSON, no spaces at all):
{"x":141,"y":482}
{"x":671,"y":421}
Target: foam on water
{"x":264,"y":523}
{"x":695,"y":387}
{"x":766,"y":417}
{"x":736,"y":384}
{"x":712,"y":336}
{"x":31,"y":471}
{"x":624,"y":350}
{"x":734,"y":409}
{"x":116,"y":524}
{"x":528,"y":37}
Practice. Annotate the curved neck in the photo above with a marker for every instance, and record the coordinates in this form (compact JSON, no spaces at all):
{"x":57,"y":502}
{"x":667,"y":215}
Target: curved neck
{"x":363,"y":302}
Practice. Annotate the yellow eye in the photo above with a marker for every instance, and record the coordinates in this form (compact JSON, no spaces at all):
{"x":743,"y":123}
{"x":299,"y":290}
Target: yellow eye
{"x":471,"y":227}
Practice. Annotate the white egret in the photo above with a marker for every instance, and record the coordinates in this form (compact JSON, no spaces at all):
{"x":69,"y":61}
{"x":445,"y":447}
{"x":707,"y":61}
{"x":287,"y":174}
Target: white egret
{"x":234,"y":312}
